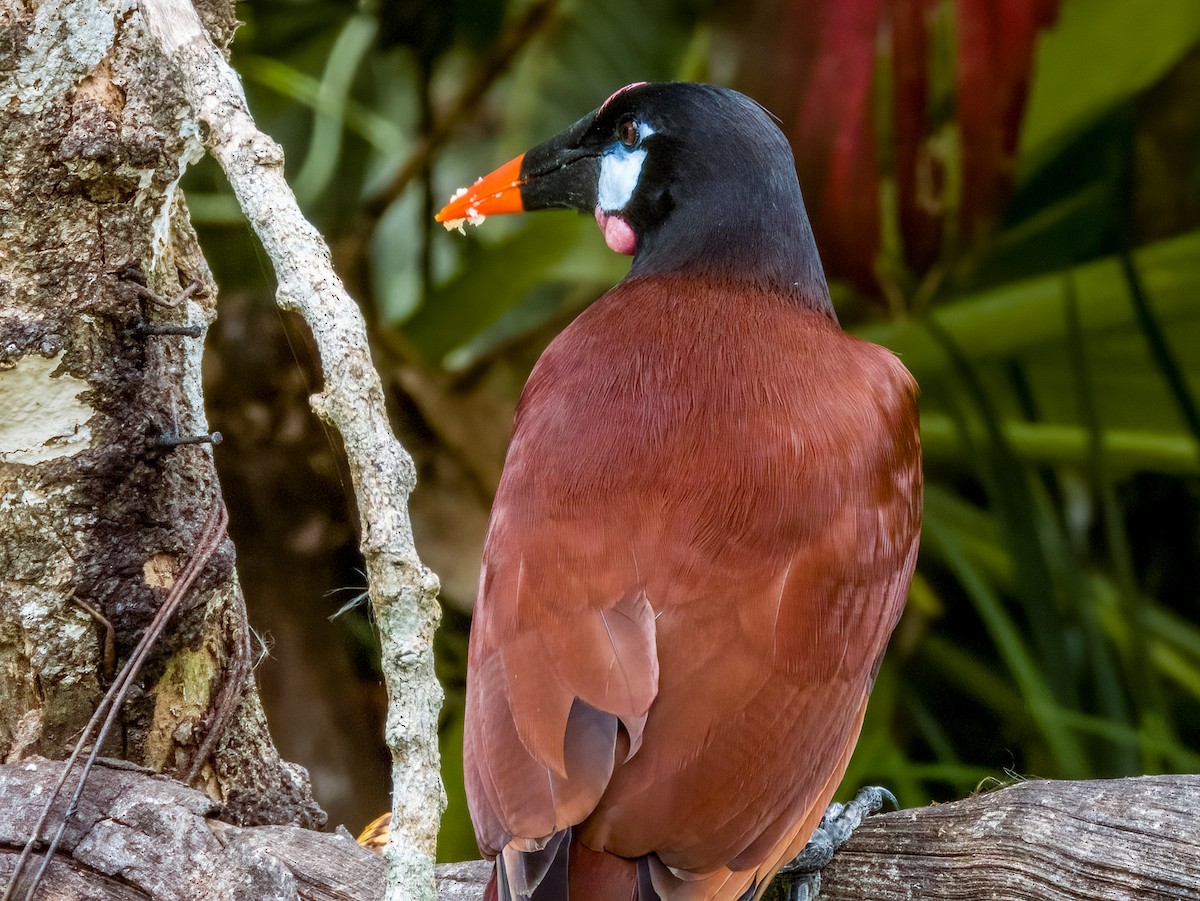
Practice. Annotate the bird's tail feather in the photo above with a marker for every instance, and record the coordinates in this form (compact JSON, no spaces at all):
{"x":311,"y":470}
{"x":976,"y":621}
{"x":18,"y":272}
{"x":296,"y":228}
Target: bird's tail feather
{"x":568,"y":870}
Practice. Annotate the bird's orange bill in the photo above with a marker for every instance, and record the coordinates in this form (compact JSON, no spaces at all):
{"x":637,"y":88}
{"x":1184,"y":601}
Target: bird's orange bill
{"x":496,"y":193}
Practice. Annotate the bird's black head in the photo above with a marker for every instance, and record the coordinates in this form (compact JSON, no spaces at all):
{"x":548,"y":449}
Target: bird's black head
{"x":685,"y":177}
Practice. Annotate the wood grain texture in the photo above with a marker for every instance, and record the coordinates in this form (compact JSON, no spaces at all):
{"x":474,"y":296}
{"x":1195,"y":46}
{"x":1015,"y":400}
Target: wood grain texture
{"x":1049,"y":841}
{"x":1135,"y":839}
{"x":139,"y":837}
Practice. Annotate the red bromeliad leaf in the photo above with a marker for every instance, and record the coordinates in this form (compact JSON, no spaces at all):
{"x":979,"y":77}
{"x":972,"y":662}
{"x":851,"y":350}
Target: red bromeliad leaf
{"x":917,"y":169}
{"x":855,"y":84}
{"x":816,"y":75}
{"x":996,"y":41}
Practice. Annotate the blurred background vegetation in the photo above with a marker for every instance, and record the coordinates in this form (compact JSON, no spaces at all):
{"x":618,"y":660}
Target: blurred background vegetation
{"x":1005,"y":192}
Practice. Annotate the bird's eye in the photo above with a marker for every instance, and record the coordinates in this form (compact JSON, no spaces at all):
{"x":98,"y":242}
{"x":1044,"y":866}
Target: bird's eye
{"x":627,"y":132}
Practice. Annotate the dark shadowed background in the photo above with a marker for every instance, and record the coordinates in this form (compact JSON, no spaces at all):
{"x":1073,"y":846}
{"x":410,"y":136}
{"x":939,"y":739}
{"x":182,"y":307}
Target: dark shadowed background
{"x":1005,"y":192}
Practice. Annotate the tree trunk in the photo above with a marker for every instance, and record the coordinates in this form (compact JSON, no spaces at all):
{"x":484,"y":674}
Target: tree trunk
{"x":99,"y":377}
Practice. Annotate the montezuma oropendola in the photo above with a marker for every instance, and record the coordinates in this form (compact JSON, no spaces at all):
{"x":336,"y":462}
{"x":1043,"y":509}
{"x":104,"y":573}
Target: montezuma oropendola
{"x":705,"y":529}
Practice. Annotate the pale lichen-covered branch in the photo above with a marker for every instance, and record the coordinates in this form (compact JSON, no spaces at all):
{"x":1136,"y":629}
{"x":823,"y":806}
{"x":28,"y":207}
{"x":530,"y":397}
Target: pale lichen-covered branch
{"x":403,"y":592}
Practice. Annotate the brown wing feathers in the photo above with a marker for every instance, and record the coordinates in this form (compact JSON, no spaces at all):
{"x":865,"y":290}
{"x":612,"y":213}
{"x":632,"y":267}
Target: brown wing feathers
{"x":693,"y":566}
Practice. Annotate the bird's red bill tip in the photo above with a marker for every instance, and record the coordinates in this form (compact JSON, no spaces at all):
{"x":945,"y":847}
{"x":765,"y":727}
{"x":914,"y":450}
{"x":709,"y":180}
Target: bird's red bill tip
{"x":494,"y":194}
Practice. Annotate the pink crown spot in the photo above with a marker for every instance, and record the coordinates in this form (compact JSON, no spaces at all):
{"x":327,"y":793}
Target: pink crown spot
{"x":617,"y":93}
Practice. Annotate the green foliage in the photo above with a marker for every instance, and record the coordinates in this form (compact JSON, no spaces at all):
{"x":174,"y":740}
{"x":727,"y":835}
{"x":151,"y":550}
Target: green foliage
{"x":1100,"y":54}
{"x":1052,"y":628}
{"x":593,"y":48}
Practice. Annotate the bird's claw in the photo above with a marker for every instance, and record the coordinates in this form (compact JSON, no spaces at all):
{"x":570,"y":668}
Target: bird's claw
{"x":837,"y":825}
{"x":801,"y":877}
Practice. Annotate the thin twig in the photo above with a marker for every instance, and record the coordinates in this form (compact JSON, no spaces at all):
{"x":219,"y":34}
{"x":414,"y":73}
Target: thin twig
{"x":110,"y":706}
{"x":108,"y":659}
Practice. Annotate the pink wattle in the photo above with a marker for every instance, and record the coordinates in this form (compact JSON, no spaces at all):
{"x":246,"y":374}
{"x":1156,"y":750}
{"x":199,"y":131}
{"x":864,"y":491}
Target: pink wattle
{"x":618,"y":234}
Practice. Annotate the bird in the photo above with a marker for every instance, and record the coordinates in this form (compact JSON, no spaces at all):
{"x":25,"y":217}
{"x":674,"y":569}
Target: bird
{"x":704,"y":531}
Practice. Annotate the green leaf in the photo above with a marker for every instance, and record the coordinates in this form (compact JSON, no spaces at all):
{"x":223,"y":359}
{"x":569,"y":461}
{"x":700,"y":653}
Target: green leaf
{"x":1027,"y":670}
{"x":206,"y":208}
{"x":289,"y":82}
{"x":1053,"y":444}
{"x":1014,"y":319}
{"x":325,"y":145}
{"x":492,"y":279}
{"x":456,"y":838}
{"x":395,"y":260}
{"x":1099,"y":54}
{"x":592,"y":48}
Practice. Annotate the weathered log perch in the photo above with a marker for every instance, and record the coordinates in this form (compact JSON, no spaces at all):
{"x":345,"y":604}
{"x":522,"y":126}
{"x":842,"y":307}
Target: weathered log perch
{"x":141,"y":836}
{"x":138,"y":836}
{"x":1136,"y":838}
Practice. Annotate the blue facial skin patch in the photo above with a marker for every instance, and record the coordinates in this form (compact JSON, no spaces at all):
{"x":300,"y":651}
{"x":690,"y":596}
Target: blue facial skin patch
{"x":620,"y":170}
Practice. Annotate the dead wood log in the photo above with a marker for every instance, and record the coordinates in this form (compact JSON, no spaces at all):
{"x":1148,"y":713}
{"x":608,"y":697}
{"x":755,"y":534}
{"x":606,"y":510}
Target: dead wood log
{"x":1135,"y":839}
{"x":1102,"y":840}
{"x":138,"y":836}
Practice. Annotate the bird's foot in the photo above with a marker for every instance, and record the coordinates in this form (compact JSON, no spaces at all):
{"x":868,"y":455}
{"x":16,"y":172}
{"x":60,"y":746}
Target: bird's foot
{"x":836,"y":827}
{"x":800,"y":878}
